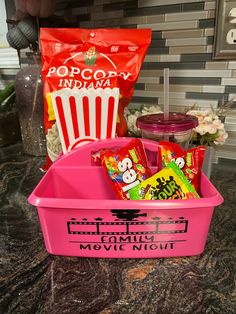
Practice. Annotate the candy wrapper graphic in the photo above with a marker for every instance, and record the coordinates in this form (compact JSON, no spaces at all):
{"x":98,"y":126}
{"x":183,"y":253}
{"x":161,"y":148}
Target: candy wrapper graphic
{"x":169,"y":183}
{"x":85,"y":115}
{"x":189,"y":161}
{"x":125,"y":167}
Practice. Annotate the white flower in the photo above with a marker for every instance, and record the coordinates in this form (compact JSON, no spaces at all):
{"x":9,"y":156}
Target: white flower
{"x":200,"y":129}
{"x":150,"y":110}
{"x":207,"y":119}
{"x":218,"y":124}
{"x":131,"y":122}
{"x":222,"y":136}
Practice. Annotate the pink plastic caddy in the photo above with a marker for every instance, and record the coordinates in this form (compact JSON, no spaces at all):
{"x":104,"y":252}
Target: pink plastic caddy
{"x":80,"y":215}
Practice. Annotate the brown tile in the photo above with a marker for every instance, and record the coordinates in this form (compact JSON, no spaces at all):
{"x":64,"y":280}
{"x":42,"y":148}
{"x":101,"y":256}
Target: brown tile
{"x":188,"y":49}
{"x":134,"y":20}
{"x":172,"y":25}
{"x":209,"y":31}
{"x":217,"y":65}
{"x":211,"y":14}
{"x":156,"y":18}
{"x":106,"y":15}
{"x":186,"y":42}
{"x":149,"y":73}
{"x":192,"y":33}
{"x":174,"y":88}
{"x":186,"y":16}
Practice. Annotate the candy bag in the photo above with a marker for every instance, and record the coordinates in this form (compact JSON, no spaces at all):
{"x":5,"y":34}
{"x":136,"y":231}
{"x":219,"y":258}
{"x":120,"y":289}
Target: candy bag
{"x":169,"y":183}
{"x":189,"y":161}
{"x":126,"y":167}
{"x":81,"y":67}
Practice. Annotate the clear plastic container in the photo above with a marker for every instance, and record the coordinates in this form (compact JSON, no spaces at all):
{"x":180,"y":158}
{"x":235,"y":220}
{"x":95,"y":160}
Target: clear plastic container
{"x":177,"y":128}
{"x":29,"y":100}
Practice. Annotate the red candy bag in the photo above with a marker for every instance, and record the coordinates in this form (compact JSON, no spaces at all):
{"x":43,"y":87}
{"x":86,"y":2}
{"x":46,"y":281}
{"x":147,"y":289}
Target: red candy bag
{"x":189,"y":161}
{"x":126,"y":167}
{"x":81,"y":67}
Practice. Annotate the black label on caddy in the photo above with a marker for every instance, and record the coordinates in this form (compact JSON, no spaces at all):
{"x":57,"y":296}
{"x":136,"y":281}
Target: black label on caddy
{"x":126,"y":230}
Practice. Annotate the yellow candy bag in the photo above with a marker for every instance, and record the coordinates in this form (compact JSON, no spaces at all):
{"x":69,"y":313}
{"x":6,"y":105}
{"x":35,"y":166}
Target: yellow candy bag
{"x":169,"y":183}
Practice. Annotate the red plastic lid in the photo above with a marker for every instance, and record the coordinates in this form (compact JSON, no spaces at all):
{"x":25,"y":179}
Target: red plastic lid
{"x":176,"y":122}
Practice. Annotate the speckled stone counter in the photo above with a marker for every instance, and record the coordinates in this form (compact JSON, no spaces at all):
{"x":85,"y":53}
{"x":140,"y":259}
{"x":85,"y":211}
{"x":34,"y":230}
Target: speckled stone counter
{"x":32,"y":281}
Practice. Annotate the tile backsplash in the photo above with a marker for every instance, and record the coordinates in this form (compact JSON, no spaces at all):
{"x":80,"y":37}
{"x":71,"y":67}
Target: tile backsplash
{"x":182,"y":40}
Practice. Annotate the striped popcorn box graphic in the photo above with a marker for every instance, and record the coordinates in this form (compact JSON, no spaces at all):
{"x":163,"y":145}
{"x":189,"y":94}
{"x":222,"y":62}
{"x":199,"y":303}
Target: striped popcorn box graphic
{"x":85,"y":115}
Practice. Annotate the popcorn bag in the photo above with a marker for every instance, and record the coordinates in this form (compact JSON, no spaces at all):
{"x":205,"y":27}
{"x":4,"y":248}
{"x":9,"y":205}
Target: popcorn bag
{"x":89,"y":77}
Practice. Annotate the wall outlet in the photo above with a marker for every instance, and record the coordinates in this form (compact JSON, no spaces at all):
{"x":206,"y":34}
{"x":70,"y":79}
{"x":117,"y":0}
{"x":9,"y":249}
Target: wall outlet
{"x":231,"y":37}
{"x":232,"y":15}
{"x":225,"y":32}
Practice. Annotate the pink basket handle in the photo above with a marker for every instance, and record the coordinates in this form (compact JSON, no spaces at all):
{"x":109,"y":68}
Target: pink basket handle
{"x":82,"y":155}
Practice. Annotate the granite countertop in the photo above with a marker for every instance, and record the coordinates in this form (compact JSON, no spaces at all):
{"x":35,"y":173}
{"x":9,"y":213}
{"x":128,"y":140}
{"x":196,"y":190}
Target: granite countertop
{"x":32,"y":281}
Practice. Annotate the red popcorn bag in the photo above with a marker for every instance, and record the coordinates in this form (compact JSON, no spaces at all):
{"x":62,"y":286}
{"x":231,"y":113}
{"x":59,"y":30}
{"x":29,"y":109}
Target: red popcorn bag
{"x":189,"y":161}
{"x":125,"y":167}
{"x":89,"y":77}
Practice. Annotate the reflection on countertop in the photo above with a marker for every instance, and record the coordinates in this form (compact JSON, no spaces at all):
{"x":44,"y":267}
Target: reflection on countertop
{"x":32,"y":281}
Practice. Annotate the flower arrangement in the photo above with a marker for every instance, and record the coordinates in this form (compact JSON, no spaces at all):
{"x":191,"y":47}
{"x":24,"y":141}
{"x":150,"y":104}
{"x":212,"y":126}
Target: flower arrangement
{"x":210,"y":131}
